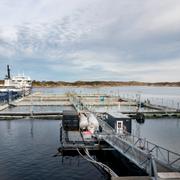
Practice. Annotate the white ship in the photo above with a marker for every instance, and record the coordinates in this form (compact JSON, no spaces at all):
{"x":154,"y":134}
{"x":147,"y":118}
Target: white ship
{"x":20,"y":83}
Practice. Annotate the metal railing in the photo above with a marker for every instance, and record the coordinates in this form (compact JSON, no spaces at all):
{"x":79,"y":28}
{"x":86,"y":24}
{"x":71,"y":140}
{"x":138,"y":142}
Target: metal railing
{"x":141,"y":158}
{"x":164,"y":156}
{"x":77,"y":102}
{"x":139,"y":150}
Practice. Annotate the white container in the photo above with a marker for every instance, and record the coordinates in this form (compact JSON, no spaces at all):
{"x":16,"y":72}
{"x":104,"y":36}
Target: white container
{"x":83,"y":122}
{"x":93,"y":123}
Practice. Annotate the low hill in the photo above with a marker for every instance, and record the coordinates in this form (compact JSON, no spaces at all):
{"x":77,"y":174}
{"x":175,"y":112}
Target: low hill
{"x":102,"y":83}
{"x":99,"y":83}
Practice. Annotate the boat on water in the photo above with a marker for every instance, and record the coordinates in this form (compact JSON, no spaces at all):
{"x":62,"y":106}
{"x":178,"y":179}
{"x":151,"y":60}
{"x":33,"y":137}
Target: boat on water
{"x":17,"y":86}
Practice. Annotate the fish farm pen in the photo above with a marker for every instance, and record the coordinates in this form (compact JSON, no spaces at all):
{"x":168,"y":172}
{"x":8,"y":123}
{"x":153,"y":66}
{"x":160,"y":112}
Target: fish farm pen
{"x":100,"y":123}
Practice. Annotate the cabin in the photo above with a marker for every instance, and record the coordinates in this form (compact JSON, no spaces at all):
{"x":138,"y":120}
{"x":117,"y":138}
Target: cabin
{"x":121,"y":123}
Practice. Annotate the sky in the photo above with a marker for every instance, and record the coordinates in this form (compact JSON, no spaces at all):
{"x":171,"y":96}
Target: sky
{"x":71,"y":40}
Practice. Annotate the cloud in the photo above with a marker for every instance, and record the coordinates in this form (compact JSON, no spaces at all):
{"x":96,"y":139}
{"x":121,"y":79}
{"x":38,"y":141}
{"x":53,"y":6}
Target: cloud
{"x":92,"y":40}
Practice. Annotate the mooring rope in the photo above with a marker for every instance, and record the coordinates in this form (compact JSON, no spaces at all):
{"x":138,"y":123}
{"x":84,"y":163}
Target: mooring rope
{"x":104,"y":166}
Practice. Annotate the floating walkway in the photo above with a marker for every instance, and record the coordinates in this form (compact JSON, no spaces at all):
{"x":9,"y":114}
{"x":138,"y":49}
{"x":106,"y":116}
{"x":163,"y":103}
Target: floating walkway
{"x":146,"y":156}
{"x":92,"y":102}
{"x":156,"y":161}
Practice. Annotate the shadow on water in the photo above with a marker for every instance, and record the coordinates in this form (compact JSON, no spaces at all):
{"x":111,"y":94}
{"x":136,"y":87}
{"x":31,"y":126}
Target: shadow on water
{"x":117,"y":162}
{"x":121,"y":165}
{"x":74,"y":161}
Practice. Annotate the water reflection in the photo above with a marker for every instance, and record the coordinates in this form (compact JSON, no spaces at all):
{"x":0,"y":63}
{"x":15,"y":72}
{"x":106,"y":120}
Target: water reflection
{"x":9,"y":125}
{"x":178,"y":123}
{"x":26,"y":153}
{"x":38,"y":109}
{"x":32,"y":127}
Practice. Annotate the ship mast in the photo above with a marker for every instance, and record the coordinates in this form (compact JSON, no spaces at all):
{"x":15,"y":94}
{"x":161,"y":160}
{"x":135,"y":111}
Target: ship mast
{"x":8,"y":72}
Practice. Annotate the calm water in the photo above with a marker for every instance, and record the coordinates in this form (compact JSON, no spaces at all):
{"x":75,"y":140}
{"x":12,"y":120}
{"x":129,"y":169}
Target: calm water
{"x":38,"y":109}
{"x":27,"y":146}
{"x":166,"y":91}
{"x":26,"y":150}
{"x":164,"y":132}
{"x":169,"y":96}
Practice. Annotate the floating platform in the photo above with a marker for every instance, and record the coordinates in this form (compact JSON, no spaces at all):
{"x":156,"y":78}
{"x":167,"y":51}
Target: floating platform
{"x":72,"y":139}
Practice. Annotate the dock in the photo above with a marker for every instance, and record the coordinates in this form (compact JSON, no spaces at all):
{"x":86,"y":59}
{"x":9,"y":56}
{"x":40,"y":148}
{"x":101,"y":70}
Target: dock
{"x":125,"y":106}
{"x":146,"y":156}
{"x":156,"y":161}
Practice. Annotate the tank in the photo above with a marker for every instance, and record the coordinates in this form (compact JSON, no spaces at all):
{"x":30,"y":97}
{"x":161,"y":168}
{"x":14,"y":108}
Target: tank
{"x":93,"y":123}
{"x":83,"y":121}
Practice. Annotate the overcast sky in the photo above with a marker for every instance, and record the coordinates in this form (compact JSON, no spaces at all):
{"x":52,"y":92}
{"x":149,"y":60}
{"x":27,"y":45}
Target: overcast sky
{"x":72,"y":40}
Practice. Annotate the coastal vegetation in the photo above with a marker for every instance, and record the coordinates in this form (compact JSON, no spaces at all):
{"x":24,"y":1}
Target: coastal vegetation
{"x":100,"y":83}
